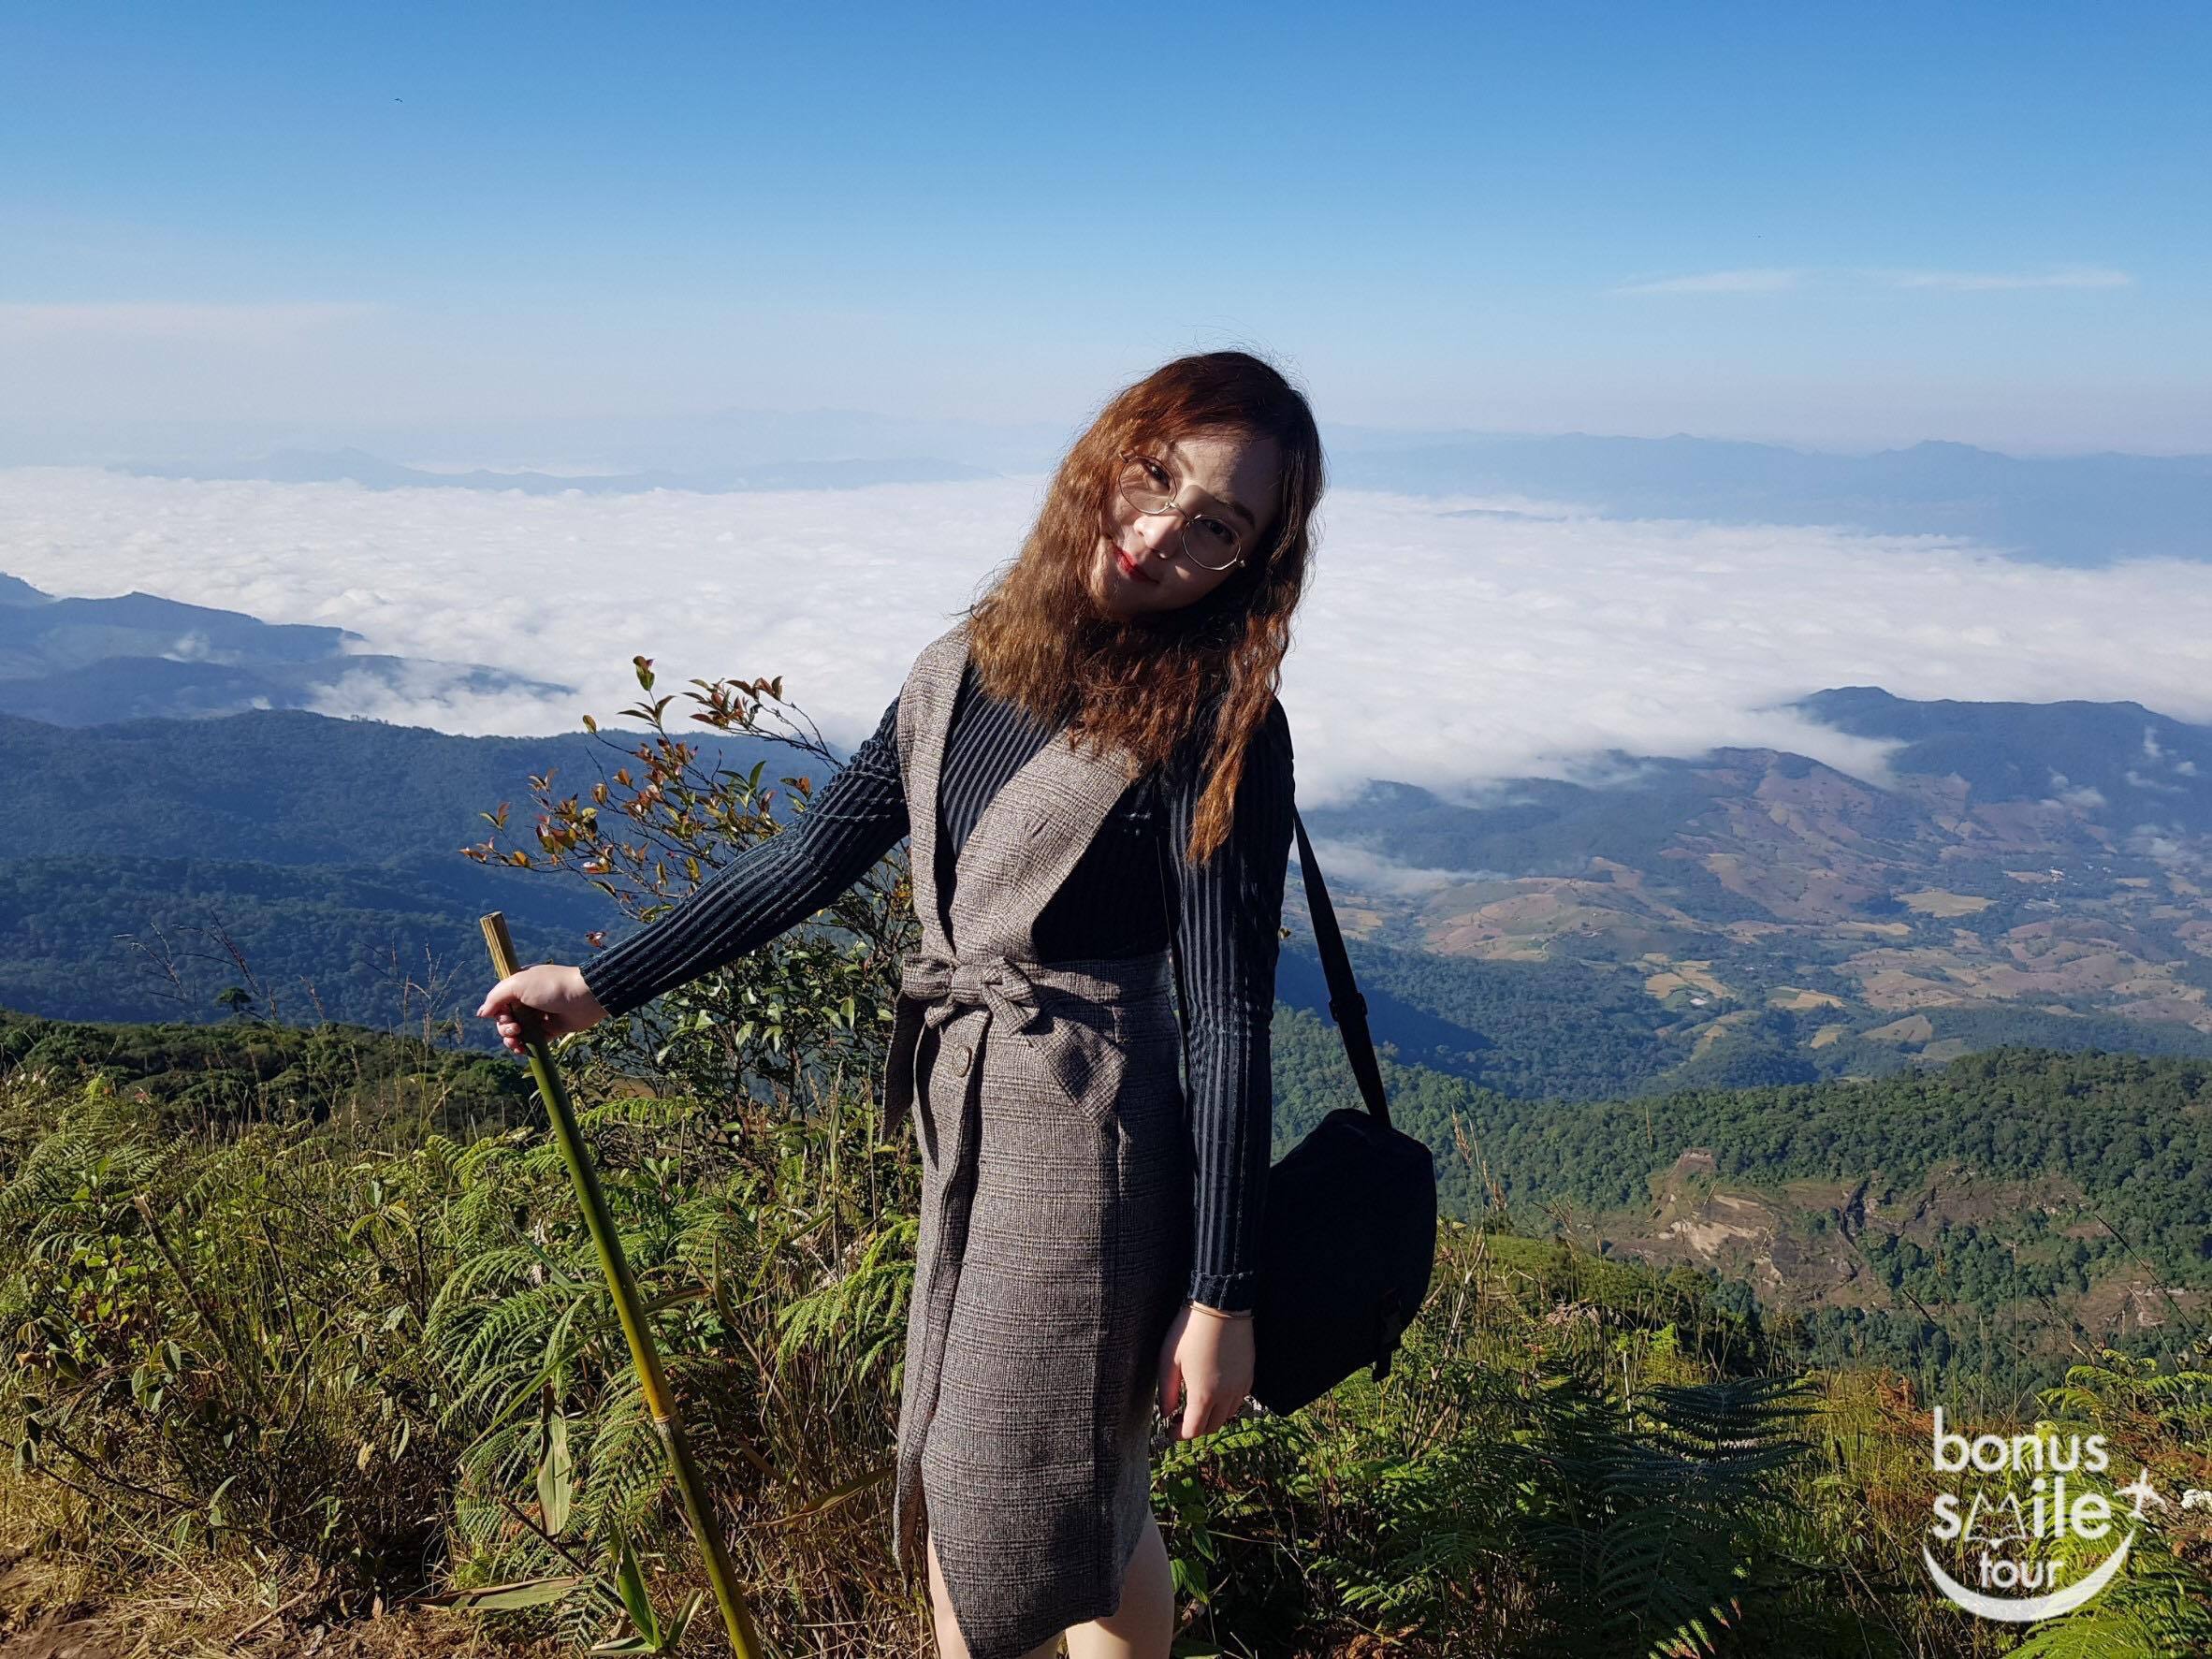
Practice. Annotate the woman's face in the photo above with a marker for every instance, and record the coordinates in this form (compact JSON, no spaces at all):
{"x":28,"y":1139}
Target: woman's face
{"x":1139,"y":564}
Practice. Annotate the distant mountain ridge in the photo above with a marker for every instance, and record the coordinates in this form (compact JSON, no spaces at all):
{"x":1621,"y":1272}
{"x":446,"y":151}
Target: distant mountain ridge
{"x":2033,"y":873}
{"x":1752,"y":917}
{"x":2070,"y":510}
{"x":2083,"y":511}
{"x":327,"y":850}
{"x":288,"y":786}
{"x":77,"y":662}
{"x":354,"y":466}
{"x":2144,"y":766}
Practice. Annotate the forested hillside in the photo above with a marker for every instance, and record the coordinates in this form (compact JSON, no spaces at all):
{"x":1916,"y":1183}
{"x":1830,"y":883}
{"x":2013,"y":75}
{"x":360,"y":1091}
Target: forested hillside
{"x":1570,"y":1029}
{"x":1974,"y":1223}
{"x":313,"y":864}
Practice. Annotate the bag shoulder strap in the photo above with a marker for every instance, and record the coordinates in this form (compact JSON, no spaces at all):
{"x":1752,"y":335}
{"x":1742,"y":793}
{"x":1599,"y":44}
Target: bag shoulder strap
{"x":1346,"y":1006}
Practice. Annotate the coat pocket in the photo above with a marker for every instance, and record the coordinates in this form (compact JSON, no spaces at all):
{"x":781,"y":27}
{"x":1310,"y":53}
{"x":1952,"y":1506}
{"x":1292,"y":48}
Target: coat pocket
{"x":1079,"y":1049}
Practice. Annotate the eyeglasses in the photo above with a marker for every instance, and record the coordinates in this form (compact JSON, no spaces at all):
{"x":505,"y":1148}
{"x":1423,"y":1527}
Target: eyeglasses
{"x":1151,"y":489}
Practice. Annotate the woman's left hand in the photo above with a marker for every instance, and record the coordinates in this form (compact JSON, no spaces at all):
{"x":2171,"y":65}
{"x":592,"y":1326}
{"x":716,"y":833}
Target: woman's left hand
{"x":1206,"y":1363}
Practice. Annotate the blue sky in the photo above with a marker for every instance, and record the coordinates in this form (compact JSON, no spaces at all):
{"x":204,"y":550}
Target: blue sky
{"x":1848,"y":226}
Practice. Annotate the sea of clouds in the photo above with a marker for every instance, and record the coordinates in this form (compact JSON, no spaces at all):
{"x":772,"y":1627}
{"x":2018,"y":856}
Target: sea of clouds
{"x":1449,"y":642}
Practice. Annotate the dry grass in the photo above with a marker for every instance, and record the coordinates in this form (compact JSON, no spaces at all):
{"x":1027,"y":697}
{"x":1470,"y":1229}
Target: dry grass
{"x":55,"y":1605}
{"x":72,"y":1590}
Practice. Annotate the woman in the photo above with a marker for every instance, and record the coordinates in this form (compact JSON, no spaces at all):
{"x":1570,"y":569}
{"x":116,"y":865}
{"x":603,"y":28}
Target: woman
{"x":1092,"y":766}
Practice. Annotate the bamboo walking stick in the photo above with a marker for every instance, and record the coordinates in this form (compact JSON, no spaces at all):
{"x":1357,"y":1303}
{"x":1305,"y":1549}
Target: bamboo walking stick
{"x":643,"y":1355}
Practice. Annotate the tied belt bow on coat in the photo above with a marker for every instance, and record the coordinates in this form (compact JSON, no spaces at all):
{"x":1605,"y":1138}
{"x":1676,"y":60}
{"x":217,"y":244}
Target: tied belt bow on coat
{"x":946,"y":985}
{"x":1058,"y":1011}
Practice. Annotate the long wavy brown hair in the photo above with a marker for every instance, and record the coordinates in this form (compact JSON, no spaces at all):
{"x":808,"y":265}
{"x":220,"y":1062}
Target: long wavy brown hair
{"x":1146,"y":684}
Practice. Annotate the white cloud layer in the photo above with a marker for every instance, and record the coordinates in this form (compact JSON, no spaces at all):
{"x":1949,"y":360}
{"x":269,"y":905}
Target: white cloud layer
{"x":1365,"y":870}
{"x":1982,"y":280}
{"x":1436,"y":650}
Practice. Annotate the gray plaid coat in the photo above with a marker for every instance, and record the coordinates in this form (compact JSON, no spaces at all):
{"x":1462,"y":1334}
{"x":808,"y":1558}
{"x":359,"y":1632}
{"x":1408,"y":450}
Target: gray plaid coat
{"x":1055,"y":1230}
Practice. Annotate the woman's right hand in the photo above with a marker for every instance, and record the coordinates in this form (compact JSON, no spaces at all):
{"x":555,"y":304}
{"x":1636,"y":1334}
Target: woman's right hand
{"x":552,"y":994}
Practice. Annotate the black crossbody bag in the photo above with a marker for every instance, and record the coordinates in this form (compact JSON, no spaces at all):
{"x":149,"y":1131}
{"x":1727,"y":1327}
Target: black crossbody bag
{"x":1350,"y":1236}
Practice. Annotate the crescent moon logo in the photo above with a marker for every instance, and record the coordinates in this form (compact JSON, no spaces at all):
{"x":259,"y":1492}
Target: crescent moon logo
{"x":2035,"y":1606}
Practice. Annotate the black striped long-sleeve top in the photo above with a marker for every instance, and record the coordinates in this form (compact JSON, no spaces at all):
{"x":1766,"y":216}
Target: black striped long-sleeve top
{"x":1228,"y":926}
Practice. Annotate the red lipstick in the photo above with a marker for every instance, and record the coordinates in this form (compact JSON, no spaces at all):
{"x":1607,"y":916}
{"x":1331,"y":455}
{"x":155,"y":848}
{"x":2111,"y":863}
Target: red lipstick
{"x":1131,"y":569}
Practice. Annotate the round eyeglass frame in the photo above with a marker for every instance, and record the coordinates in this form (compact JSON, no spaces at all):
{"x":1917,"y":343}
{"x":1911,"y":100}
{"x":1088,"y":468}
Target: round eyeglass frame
{"x":1121,"y":489}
